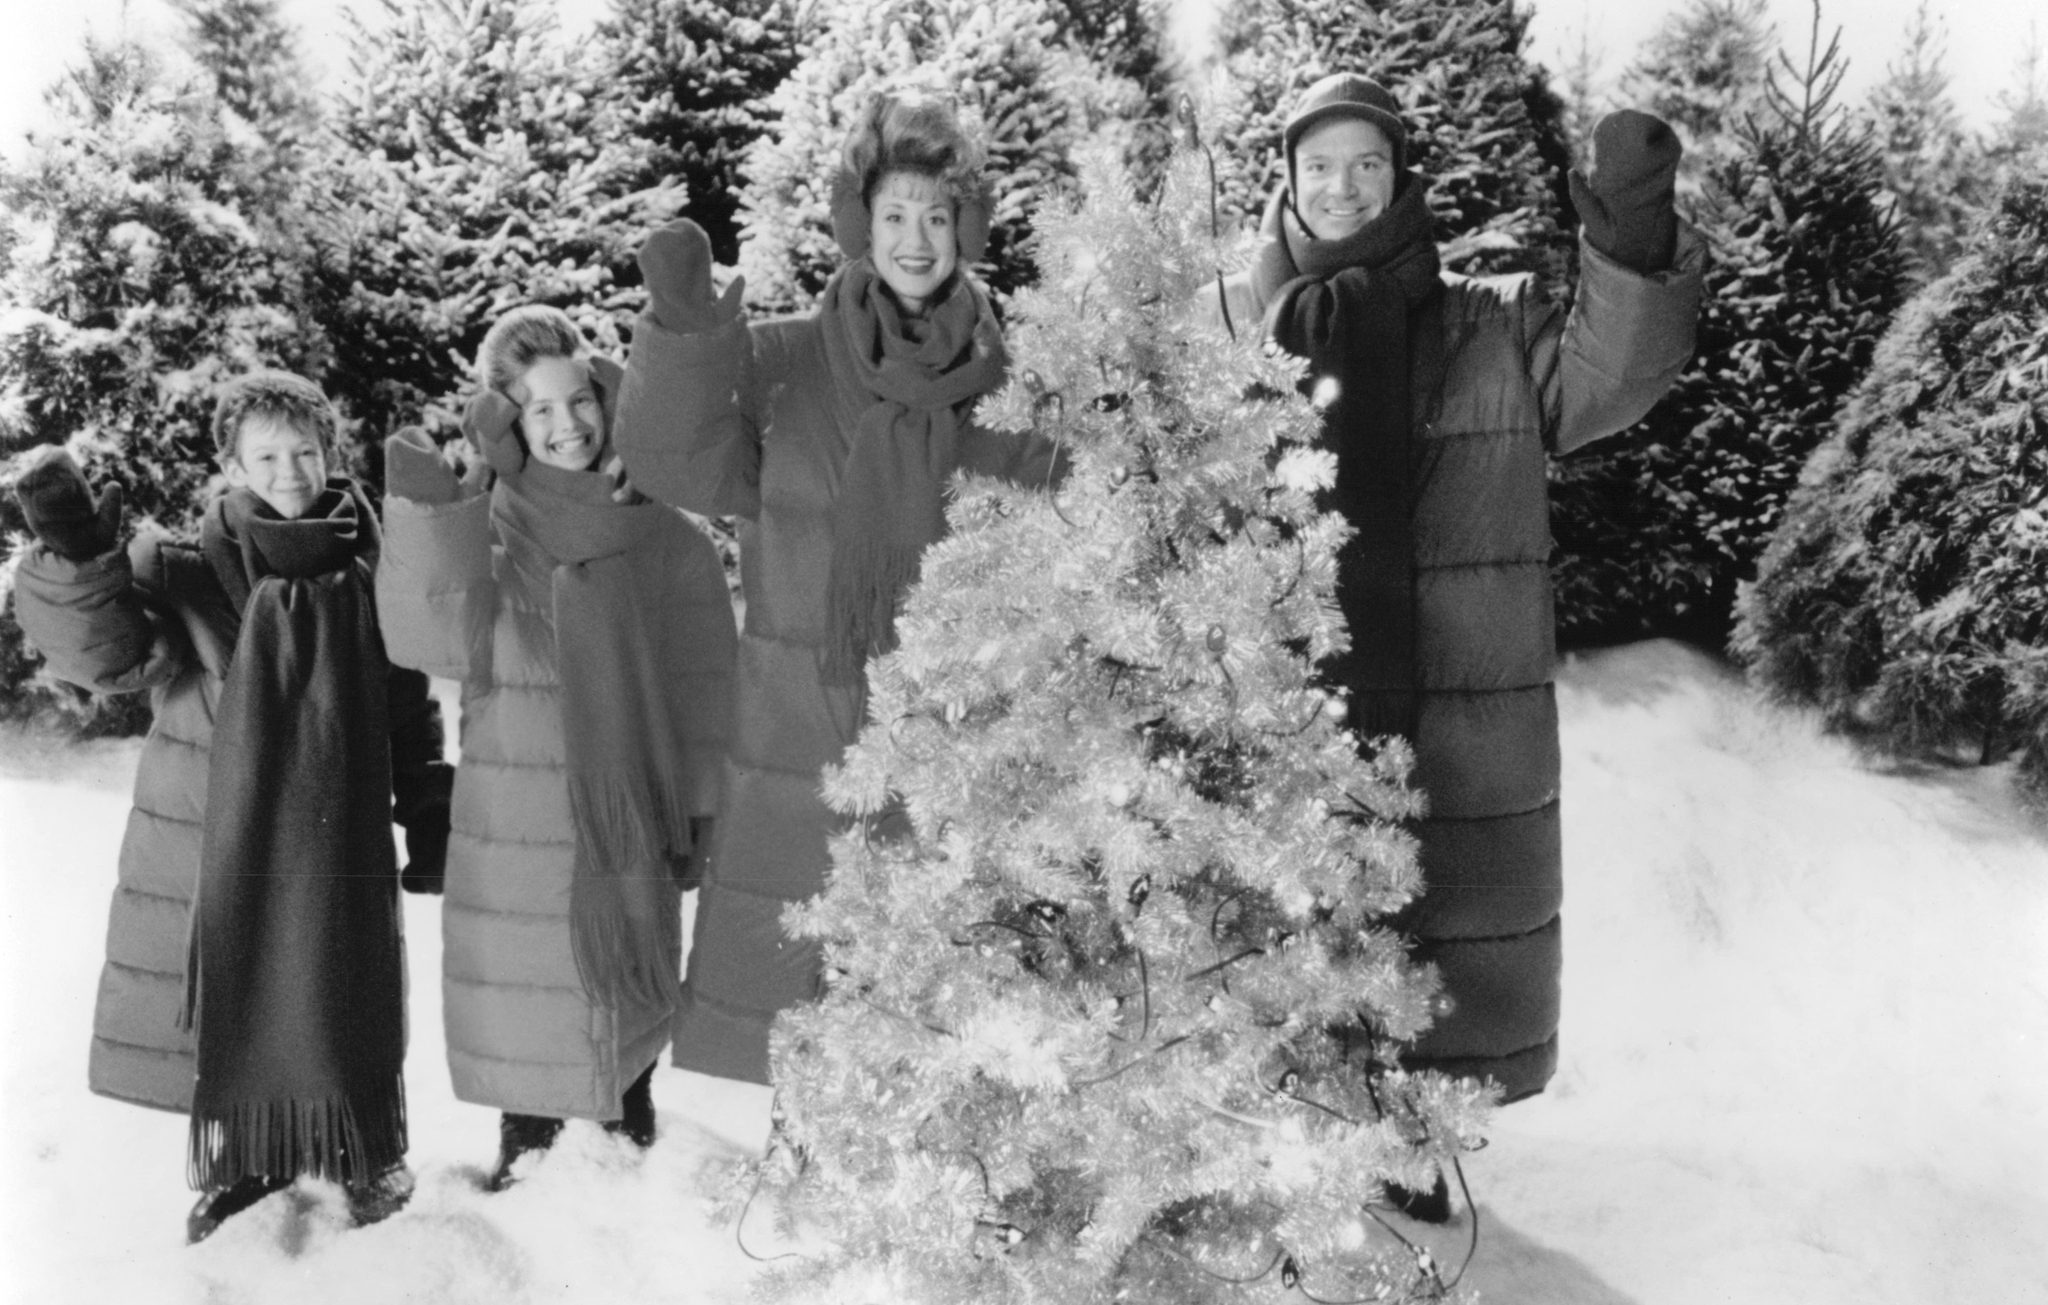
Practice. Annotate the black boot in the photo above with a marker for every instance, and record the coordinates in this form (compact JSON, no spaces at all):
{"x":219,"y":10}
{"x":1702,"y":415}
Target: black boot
{"x":1432,"y":1206}
{"x":375,"y":1199}
{"x":220,"y":1204}
{"x":520,"y":1135}
{"x":638,"y":1107}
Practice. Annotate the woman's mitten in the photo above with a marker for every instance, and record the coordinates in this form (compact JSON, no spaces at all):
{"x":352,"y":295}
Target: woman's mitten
{"x":675,"y":264}
{"x":60,"y":508}
{"x":1625,"y":200}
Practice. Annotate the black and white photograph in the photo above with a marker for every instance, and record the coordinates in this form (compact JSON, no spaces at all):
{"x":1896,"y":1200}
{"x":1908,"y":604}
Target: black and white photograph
{"x":1024,"y":652}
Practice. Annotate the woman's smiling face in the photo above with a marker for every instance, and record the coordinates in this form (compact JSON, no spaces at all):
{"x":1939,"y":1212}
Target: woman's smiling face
{"x":559,"y":413}
{"x":913,"y":243}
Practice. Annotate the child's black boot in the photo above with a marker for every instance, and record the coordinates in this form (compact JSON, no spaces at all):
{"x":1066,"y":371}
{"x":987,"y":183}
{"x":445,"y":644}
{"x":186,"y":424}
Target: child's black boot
{"x":637,"y":1106}
{"x":220,"y":1204}
{"x":520,"y":1135}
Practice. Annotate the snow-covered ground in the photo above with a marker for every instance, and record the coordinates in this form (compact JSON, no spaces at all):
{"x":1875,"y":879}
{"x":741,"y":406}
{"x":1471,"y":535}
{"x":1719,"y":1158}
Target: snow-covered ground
{"x":1805,"y":1060}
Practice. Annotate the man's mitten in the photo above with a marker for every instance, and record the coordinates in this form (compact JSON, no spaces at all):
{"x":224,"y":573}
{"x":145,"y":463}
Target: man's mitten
{"x":491,"y":424}
{"x":414,"y":469}
{"x":675,"y":264}
{"x":1625,"y":201}
{"x":60,"y":509}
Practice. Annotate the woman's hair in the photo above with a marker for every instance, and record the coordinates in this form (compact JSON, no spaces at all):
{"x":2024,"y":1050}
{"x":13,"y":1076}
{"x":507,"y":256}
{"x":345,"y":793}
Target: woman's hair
{"x":276,"y":396}
{"x":910,"y":131}
{"x":521,"y":338}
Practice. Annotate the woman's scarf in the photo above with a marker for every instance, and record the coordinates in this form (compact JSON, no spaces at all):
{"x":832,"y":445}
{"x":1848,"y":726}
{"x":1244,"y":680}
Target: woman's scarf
{"x":903,"y":392}
{"x":295,"y":981}
{"x":1365,"y":310}
{"x":630,"y":666}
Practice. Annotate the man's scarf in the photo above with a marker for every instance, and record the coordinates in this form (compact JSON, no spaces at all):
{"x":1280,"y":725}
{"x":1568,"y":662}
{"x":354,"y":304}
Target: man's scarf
{"x":295,"y":982}
{"x":903,"y":391}
{"x":1365,"y":310}
{"x":629,"y":666}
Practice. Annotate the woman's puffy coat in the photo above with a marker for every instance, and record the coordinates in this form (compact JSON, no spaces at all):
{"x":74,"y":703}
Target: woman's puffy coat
{"x":1522,"y":378}
{"x":523,"y":1036}
{"x":153,"y":617}
{"x":740,"y":422}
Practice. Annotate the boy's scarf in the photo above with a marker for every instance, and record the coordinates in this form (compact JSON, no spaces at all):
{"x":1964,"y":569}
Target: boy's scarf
{"x":295,"y":981}
{"x":902,"y":391}
{"x":1365,"y":310}
{"x":622,"y":651}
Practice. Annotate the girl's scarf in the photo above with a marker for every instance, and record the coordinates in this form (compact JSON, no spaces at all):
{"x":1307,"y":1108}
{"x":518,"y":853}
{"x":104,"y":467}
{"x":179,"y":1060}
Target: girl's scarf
{"x":903,"y":391}
{"x":630,"y":668}
{"x":295,"y":981}
{"x":1365,"y":310}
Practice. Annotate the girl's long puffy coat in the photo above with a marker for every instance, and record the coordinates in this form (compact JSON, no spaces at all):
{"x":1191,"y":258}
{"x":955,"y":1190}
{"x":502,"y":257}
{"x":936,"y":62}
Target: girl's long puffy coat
{"x":522,"y":1035}
{"x":740,"y":422}
{"x":1522,"y":378}
{"x":153,"y":617}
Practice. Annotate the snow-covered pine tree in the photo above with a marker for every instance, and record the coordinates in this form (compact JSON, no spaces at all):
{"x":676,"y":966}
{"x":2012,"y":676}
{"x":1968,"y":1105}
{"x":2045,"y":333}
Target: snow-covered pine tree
{"x":1704,"y":71}
{"x":1583,"y":88}
{"x":2023,"y":130}
{"x":1111,"y":1011}
{"x":252,"y":54}
{"x":1929,"y":174}
{"x":1482,"y":119}
{"x":1128,"y":40}
{"x":479,"y":165}
{"x":693,"y":77}
{"x":142,"y":265}
{"x":1007,"y":62}
{"x":1657,"y":526}
{"x":1906,"y":593}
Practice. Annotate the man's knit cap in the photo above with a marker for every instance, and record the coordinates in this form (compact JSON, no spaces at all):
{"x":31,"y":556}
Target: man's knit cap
{"x":1347,"y":95}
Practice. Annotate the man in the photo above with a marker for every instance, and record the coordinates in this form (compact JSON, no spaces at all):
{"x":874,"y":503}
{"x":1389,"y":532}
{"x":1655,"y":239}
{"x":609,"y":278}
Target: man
{"x":1449,"y":392}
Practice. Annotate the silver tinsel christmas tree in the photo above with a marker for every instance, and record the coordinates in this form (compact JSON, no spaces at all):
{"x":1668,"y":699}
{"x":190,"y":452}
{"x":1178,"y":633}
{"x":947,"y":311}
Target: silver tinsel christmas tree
{"x":1111,"y":1009}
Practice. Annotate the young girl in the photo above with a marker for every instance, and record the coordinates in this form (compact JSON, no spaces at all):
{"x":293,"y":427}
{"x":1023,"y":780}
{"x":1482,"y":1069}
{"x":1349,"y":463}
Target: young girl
{"x":593,"y":635}
{"x":835,"y":435}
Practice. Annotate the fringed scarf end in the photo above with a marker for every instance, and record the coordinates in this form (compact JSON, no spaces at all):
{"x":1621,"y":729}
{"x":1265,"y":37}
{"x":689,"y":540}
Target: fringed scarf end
{"x":344,"y":1138}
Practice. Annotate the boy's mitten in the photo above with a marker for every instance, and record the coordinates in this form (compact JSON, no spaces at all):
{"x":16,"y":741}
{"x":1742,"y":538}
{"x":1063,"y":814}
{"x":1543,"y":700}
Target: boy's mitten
{"x":675,"y":264}
{"x":426,"y":831}
{"x":1625,"y":200}
{"x":415,"y":470}
{"x":59,"y":506}
{"x":491,"y":424}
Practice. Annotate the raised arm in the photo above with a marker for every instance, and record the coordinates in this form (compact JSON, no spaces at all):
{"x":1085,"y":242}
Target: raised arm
{"x":75,"y":592}
{"x":689,"y":412}
{"x":436,"y":597}
{"x":1630,"y":330}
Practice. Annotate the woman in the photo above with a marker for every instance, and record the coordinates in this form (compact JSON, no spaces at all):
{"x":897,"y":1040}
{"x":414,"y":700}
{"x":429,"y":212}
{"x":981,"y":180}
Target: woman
{"x":833,"y":435}
{"x":593,"y":635}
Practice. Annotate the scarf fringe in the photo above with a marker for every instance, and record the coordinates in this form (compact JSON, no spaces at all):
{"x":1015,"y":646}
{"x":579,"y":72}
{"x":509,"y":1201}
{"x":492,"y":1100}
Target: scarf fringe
{"x":622,"y":955}
{"x":861,"y":613}
{"x":346,"y":1139}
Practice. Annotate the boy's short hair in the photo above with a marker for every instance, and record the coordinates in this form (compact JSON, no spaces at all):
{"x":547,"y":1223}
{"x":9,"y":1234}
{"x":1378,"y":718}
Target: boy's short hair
{"x":280,"y":396}
{"x":521,"y":338}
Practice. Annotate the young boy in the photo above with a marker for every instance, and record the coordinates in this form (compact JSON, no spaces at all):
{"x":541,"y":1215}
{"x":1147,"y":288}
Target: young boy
{"x":255,"y":964}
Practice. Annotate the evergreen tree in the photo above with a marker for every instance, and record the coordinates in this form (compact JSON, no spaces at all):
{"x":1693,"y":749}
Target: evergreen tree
{"x":1704,"y":71}
{"x":143,"y":267}
{"x":1482,"y":120}
{"x":1927,"y":155}
{"x":1906,"y":593}
{"x":2024,"y":129}
{"x":252,"y":55}
{"x":479,"y":165}
{"x":1658,"y":526}
{"x":1110,"y":1014}
{"x":1004,"y":61}
{"x":693,"y":77}
{"x":1583,"y":90}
